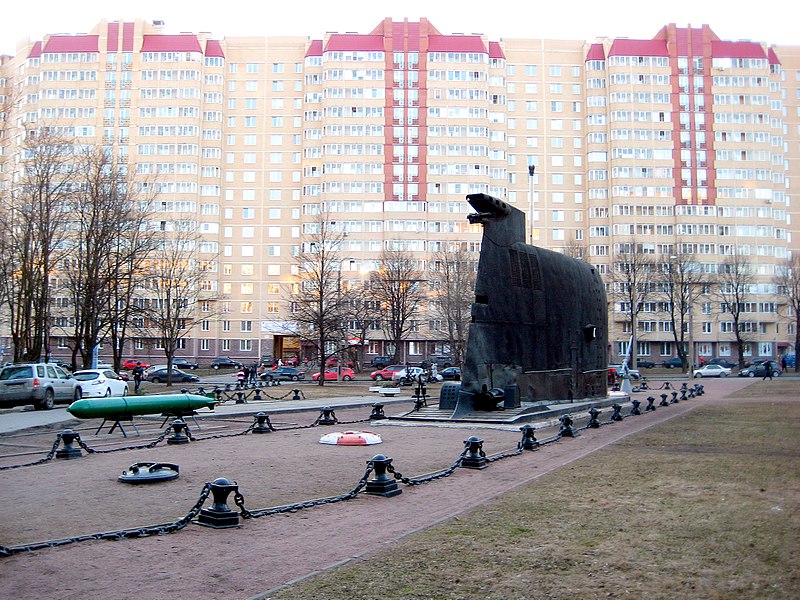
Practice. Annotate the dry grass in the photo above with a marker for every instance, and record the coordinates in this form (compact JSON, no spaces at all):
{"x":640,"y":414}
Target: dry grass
{"x":705,"y":506}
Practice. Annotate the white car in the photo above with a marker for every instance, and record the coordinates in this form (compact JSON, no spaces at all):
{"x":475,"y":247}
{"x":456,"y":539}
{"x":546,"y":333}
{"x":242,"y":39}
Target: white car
{"x":408,"y":373}
{"x":712,"y":371}
{"x":99,"y":383}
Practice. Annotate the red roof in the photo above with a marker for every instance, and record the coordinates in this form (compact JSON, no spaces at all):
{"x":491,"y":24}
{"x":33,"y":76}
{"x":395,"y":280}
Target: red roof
{"x":773,"y":58}
{"x":112,"y":38}
{"x":721,"y":49}
{"x":36,"y":50}
{"x":71,"y":43}
{"x":596,"y":52}
{"x":354,"y":42}
{"x":456,"y":43}
{"x":495,"y":51}
{"x":127,"y":37}
{"x":214,"y":48}
{"x":624,"y":47}
{"x":171,"y":43}
{"x":315,"y":49}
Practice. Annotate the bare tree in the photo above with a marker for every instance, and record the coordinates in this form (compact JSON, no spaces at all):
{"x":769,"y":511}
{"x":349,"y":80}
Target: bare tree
{"x":108,"y":239}
{"x":788,"y":281}
{"x":734,"y":282}
{"x":362,"y":314}
{"x":452,"y":288}
{"x":633,"y":274}
{"x":318,"y":301}
{"x":170,"y":287}
{"x":398,"y":286}
{"x":681,"y":281}
{"x":33,"y":230}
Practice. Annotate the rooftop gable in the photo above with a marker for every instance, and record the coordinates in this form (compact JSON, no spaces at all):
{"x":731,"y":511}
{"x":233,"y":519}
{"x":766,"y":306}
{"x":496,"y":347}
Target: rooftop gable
{"x":185,"y":42}
{"x":625,"y":47}
{"x":57,"y":44}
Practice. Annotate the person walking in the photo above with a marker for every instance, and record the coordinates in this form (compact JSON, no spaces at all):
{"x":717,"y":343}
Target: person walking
{"x":767,"y":371}
{"x":138,"y":373}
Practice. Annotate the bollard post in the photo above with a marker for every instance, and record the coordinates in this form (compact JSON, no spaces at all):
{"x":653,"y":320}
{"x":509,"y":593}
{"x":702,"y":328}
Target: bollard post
{"x":475,"y":458}
{"x":650,"y":406}
{"x":257,"y":395}
{"x":594,"y":422}
{"x":296,"y":394}
{"x":69,"y":451}
{"x":567,"y":430}
{"x":382,"y":484}
{"x":683,"y":395}
{"x":529,"y":441}
{"x":179,"y":436}
{"x":616,"y":415}
{"x":263,"y":424}
{"x":377,"y":412}
{"x":674,"y":399}
{"x":327,"y":417}
{"x":240,"y":398}
{"x":700,"y":389}
{"x":635,"y":410}
{"x":220,"y":516}
{"x":663,"y":400}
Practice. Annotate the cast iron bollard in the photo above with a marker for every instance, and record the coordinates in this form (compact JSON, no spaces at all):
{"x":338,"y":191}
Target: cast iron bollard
{"x":382,"y":484}
{"x":635,"y":410}
{"x":683,"y":394}
{"x":567,"y":430}
{"x":227,"y":387}
{"x":240,"y":398}
{"x":529,"y":441}
{"x":700,"y":389}
{"x":296,"y":394}
{"x":594,"y":422}
{"x":327,"y":417}
{"x":663,"y":400}
{"x":179,"y":436}
{"x":257,"y":395}
{"x":262,"y":423}
{"x":220,"y":516}
{"x":691,"y":392}
{"x":674,"y":399}
{"x":218,"y":394}
{"x":377,"y":412}
{"x":616,"y":415}
{"x":650,"y":406}
{"x":475,"y":459}
{"x":69,"y":451}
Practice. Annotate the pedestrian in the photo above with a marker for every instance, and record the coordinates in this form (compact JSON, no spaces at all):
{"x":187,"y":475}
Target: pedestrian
{"x":783,"y":362}
{"x":767,"y":371}
{"x":138,"y":372}
{"x":253,"y":372}
{"x":241,"y":377}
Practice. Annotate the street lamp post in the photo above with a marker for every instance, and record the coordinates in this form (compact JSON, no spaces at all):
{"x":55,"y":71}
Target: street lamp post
{"x":531,"y":172}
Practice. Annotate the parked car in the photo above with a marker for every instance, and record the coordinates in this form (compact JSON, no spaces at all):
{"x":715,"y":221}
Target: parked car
{"x":645,"y":364}
{"x":184,"y":363}
{"x":760,"y":369}
{"x":130,"y":364}
{"x":442,"y":362}
{"x":632,"y":373}
{"x":40,"y":384}
{"x":178,"y":376}
{"x":673,"y":363}
{"x":61,"y":363}
{"x":386,"y":373}
{"x":408,"y":375}
{"x":225,"y":363}
{"x":723,"y":362}
{"x":333,"y":374}
{"x":285,"y":373}
{"x":379,"y":362}
{"x":97,"y":383}
{"x":451,"y":374}
{"x":333,"y":361}
{"x":712,"y":371}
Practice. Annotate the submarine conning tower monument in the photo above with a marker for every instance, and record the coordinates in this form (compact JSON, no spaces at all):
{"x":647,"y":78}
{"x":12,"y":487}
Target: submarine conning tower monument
{"x":539,"y":322}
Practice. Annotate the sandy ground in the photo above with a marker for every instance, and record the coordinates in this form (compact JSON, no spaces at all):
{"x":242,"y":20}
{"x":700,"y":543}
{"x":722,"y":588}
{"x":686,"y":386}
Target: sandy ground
{"x":61,"y":499}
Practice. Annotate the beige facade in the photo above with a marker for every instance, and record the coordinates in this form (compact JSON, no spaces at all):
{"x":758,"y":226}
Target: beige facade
{"x":682,"y":144}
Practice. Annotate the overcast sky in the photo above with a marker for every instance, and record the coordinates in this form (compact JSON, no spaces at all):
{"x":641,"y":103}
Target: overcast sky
{"x":771,"y":22}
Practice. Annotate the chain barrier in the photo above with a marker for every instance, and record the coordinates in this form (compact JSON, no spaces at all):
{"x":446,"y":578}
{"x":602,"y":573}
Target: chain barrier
{"x":501,"y":455}
{"x":49,"y":456}
{"x":152,"y":444}
{"x":121,"y":534}
{"x":263,"y":512}
{"x":430,"y":476}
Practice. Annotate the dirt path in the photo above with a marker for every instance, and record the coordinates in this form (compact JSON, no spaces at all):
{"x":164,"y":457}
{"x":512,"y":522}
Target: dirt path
{"x":47,"y":502}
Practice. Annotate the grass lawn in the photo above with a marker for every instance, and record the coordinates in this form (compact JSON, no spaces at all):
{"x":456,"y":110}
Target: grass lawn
{"x":705,"y":506}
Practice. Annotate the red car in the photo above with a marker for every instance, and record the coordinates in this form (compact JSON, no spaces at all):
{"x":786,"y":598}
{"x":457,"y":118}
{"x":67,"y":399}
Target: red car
{"x":386,"y":372}
{"x":130,"y":363}
{"x":333,"y":374}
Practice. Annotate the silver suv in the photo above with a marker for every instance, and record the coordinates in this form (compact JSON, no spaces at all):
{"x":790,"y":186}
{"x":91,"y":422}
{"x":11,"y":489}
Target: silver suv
{"x":40,"y":384}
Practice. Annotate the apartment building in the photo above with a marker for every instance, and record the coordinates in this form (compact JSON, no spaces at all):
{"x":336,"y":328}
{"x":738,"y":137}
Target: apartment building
{"x":682,"y":144}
